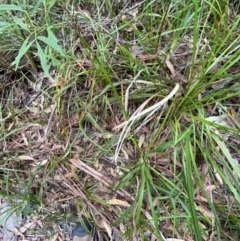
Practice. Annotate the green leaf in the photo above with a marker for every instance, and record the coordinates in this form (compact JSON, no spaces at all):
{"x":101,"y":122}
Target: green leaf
{"x":43,"y":60}
{"x":141,"y":194}
{"x":51,"y":41}
{"x":51,"y":35}
{"x":4,"y":7}
{"x":164,"y":146}
{"x":22,"y":51}
{"x":149,"y":186}
{"x":178,"y":138}
{"x":36,"y":7}
{"x":4,"y":24}
{"x":189,"y":184}
{"x":27,"y":210}
{"x":51,"y":4}
{"x":128,"y":177}
{"x":19,"y":22}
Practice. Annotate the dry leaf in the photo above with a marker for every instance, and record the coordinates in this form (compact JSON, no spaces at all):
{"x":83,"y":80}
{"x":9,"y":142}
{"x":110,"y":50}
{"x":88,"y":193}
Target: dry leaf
{"x":59,"y":238}
{"x":26,"y":227}
{"x":153,"y":237}
{"x":113,"y":173}
{"x":212,"y":236}
{"x":205,"y":212}
{"x":17,"y":232}
{"x":98,"y":166}
{"x":26,"y":158}
{"x":10,"y":126}
{"x":174,"y":239}
{"x":118,"y":202}
{"x":218,"y":177}
{"x":122,"y":228}
{"x":54,"y":238}
{"x":210,"y":188}
{"x":205,"y":174}
{"x":170,"y":67}
{"x":56,"y":147}
{"x":34,"y":110}
{"x":79,"y":148}
{"x":130,"y":150}
{"x":201,"y":198}
{"x":49,"y":109}
{"x":58,"y":177}
{"x":125,"y":154}
{"x":106,"y":135}
{"x":25,"y":139}
{"x":107,"y":227}
{"x":40,"y":163}
{"x":141,"y":140}
{"x":85,"y":13}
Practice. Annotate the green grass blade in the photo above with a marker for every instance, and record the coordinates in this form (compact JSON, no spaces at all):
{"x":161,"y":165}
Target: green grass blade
{"x":9,"y":7}
{"x":22,"y":51}
{"x":43,"y":60}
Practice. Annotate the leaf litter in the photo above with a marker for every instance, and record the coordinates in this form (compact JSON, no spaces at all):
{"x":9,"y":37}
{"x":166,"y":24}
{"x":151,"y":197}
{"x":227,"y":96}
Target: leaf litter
{"x":70,"y":164}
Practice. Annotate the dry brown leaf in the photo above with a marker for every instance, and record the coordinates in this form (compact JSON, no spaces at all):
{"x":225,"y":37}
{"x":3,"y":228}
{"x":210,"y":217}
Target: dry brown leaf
{"x":26,"y":226}
{"x":85,"y":13}
{"x":187,"y":119}
{"x":79,"y":148}
{"x":97,"y":175}
{"x":141,"y":140}
{"x":54,"y":238}
{"x":119,"y":202}
{"x":205,"y":212}
{"x":212,"y":236}
{"x":56,"y":147}
{"x":113,"y":173}
{"x":106,"y":135}
{"x":218,"y":177}
{"x":153,"y":237}
{"x":17,"y":232}
{"x":130,"y":150}
{"x":174,"y":239}
{"x":130,"y":29}
{"x":58,"y":177}
{"x":98,"y":166}
{"x":205,"y":235}
{"x":34,"y":110}
{"x":205,"y":174}
{"x":147,"y":57}
{"x":107,"y":227}
{"x":210,"y":188}
{"x":122,"y":228}
{"x":201,"y":198}
{"x":162,"y":161}
{"x":41,"y":163}
{"x":10,"y":126}
{"x":37,"y":221}
{"x":26,"y":158}
{"x":155,"y":202}
{"x":59,"y":238}
{"x":68,"y":175}
{"x":125,"y":154}
{"x":170,"y":67}
{"x":25,"y":139}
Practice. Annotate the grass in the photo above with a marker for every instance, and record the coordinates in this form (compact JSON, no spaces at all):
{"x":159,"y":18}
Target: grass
{"x":124,"y":115}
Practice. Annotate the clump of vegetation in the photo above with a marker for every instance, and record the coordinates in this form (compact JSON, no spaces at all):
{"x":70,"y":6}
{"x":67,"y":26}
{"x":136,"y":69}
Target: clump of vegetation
{"x":125,"y":114}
